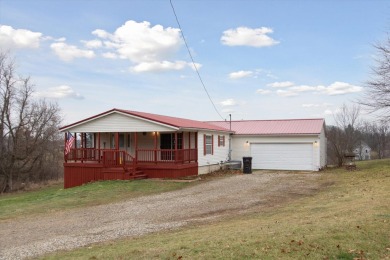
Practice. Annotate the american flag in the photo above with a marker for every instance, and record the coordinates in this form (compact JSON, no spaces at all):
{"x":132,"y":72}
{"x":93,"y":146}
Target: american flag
{"x":69,"y":143}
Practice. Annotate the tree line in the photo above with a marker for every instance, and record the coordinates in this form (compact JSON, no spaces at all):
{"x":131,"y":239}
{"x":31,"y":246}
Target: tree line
{"x":350,"y":134}
{"x":29,"y":138}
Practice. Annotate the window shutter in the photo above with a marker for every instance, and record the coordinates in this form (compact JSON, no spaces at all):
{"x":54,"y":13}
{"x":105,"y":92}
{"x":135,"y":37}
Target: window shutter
{"x":223,"y":141}
{"x":204,"y":144}
{"x":212,"y":144}
{"x":219,"y":141}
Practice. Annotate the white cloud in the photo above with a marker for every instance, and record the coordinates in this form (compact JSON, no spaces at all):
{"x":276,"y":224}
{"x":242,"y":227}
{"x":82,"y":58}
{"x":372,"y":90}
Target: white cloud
{"x":240,"y":74}
{"x":244,"y":36}
{"x":286,"y":93}
{"x":317,"y":105}
{"x":339,"y":88}
{"x":263,"y":91}
{"x":110,"y":55}
{"x":328,"y":112}
{"x":198,"y":65}
{"x":69,"y":52}
{"x":228,"y":102}
{"x":159,"y":66}
{"x":93,"y":44}
{"x":310,"y":105}
{"x":139,"y":42}
{"x":62,"y":91}
{"x":303,"y":88}
{"x":62,"y":39}
{"x":336,"y":88}
{"x":283,"y":84}
{"x":18,"y":38}
{"x":149,"y":48}
{"x":101,"y":33}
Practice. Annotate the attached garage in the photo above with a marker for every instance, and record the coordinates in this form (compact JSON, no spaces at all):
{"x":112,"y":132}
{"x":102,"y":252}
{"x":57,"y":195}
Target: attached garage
{"x":282,"y":156}
{"x":290,"y":144}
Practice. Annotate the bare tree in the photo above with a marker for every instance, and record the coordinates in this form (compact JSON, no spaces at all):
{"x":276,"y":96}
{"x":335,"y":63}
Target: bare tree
{"x":377,"y":136}
{"x":345,"y":135}
{"x":377,"y":96}
{"x":28,"y":130}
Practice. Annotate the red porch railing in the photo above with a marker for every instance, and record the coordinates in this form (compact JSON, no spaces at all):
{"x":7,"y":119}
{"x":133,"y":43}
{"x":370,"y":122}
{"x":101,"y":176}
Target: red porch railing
{"x":115,"y":158}
{"x":84,"y":154}
{"x":167,"y":155}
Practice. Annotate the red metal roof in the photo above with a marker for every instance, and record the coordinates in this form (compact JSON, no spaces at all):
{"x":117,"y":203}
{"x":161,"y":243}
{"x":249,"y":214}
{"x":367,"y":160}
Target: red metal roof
{"x":250,"y":127}
{"x":175,"y":121}
{"x":274,"y":127}
{"x":167,"y":120}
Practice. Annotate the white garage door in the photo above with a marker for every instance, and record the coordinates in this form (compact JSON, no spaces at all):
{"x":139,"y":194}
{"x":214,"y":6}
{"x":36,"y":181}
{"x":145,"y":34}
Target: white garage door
{"x":287,"y":156}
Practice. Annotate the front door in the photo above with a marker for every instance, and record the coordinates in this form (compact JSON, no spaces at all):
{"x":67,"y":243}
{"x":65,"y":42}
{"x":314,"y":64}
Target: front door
{"x":122,"y":142}
{"x":166,"y":146}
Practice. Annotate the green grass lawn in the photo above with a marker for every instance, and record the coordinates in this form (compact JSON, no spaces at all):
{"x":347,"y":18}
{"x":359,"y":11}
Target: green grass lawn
{"x":347,"y":220}
{"x":55,"y":198}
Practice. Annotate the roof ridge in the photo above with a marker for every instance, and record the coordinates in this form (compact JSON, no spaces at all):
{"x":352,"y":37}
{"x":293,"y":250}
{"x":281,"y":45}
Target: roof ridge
{"x":251,"y":120}
{"x":152,"y":116}
{"x":133,"y":111}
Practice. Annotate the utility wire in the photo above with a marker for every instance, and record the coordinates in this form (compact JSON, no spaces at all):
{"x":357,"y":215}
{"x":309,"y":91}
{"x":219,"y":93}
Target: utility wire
{"x":193,"y":62}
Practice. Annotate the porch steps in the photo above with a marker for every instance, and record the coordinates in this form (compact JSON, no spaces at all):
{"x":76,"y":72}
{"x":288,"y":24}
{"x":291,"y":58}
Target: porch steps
{"x":118,"y":173}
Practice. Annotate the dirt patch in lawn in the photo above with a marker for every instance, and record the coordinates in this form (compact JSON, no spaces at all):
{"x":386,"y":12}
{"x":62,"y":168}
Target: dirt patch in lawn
{"x":206,"y":201}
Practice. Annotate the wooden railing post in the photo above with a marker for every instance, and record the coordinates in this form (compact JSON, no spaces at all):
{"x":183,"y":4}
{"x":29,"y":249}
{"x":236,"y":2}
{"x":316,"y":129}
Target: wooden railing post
{"x":155,"y":147}
{"x":98,"y":147}
{"x":136,"y":146}
{"x":176,"y":159}
{"x":65,"y":155}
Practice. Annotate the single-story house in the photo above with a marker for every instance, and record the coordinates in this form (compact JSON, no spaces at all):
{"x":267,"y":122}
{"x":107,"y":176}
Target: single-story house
{"x":122,"y":144}
{"x":362,"y":152}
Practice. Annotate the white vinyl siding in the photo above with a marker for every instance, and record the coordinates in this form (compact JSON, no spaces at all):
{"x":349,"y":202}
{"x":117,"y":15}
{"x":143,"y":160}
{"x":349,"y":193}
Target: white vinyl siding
{"x":220,"y":153}
{"x":117,"y":122}
{"x":322,"y":149}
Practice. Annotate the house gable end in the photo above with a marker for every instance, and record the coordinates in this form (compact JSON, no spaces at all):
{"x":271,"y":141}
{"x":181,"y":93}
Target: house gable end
{"x":118,"y":122}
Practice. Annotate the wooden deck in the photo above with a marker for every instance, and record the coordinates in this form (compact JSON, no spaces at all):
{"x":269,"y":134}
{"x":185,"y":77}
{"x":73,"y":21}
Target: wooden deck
{"x":76,"y":174}
{"x":87,"y":165}
{"x":168,"y":170}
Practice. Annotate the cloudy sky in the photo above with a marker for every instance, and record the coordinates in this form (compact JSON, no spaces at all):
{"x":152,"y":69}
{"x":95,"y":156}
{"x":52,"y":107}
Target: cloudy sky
{"x":257,"y":59}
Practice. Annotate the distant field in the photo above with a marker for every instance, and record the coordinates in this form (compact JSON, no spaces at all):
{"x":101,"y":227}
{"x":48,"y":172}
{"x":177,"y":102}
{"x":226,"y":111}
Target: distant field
{"x":55,"y":198}
{"x":349,"y":219}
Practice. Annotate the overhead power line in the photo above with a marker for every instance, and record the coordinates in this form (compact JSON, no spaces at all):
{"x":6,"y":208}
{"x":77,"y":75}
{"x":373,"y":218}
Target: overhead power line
{"x":193,"y":62}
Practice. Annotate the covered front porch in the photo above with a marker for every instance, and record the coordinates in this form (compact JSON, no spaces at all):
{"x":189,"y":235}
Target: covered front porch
{"x":129,"y":155}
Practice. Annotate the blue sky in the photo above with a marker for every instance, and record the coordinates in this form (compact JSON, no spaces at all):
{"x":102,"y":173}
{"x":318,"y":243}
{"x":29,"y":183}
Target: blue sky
{"x":258,"y":59}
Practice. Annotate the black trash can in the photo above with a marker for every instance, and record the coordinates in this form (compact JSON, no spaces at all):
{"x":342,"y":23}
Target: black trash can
{"x":247,"y":162}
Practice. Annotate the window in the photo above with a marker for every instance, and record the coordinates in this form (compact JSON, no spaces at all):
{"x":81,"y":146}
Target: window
{"x":208,"y":144}
{"x":221,"y":140}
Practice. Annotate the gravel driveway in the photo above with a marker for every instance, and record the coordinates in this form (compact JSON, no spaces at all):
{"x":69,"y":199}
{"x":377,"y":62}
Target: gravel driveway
{"x":207,"y":201}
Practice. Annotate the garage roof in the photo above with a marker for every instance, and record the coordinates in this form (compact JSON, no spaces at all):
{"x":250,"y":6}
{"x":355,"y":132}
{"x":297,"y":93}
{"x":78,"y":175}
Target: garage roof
{"x":274,"y":127}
